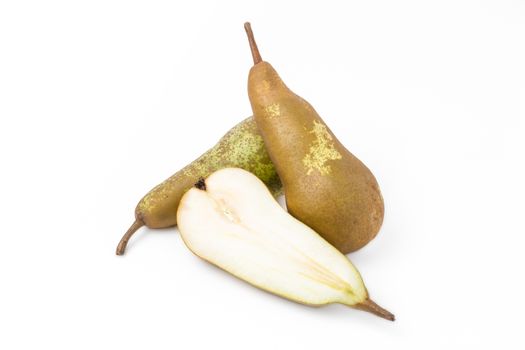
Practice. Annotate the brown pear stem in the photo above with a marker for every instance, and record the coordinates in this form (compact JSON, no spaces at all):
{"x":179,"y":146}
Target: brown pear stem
{"x":121,"y":248}
{"x":253,"y":45}
{"x":370,"y":306}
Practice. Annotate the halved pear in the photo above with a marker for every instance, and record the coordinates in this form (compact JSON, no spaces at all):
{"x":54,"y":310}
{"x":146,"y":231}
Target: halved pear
{"x":232,"y":220}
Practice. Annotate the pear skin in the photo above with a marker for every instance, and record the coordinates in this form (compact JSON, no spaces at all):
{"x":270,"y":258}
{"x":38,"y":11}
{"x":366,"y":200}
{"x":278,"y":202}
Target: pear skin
{"x":241,"y":147}
{"x":325,"y":186}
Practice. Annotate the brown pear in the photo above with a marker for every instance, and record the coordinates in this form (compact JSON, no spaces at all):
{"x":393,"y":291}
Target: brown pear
{"x":325,"y":186}
{"x":241,"y":147}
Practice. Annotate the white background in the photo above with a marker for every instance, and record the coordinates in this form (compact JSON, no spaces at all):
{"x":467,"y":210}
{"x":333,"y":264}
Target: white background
{"x":101,"y":100}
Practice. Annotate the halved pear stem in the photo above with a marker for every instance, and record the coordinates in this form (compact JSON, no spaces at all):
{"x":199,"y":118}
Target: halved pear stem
{"x":121,"y":248}
{"x":253,"y":45}
{"x":370,"y":306}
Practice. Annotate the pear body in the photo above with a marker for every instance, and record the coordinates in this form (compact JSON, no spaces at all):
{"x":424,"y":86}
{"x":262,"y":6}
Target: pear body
{"x":241,"y":147}
{"x":325,"y":185}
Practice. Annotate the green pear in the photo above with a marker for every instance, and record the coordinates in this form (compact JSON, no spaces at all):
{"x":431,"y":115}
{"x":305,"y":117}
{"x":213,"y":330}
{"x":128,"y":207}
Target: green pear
{"x":241,"y":147}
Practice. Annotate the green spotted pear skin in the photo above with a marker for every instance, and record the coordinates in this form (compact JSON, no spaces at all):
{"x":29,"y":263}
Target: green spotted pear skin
{"x":241,"y":147}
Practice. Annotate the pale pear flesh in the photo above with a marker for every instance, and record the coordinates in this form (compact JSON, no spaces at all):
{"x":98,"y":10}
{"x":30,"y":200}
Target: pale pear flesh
{"x":235,"y":223}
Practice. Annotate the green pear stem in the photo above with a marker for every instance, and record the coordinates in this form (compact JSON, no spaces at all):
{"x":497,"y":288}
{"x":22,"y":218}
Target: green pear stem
{"x":121,"y":248}
{"x":253,"y":45}
{"x":370,"y":306}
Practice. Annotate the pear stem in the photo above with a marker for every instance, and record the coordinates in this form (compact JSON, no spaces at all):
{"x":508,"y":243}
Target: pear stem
{"x":121,"y":248}
{"x":253,"y":45}
{"x":370,"y":306}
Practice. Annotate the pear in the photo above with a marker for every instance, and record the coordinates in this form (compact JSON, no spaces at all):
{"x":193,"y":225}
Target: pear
{"x":241,"y":147}
{"x":325,"y":186}
{"x":232,"y":221}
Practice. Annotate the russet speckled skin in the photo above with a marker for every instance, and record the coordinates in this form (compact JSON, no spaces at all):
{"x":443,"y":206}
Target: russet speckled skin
{"x":242,"y":147}
{"x":325,"y":186}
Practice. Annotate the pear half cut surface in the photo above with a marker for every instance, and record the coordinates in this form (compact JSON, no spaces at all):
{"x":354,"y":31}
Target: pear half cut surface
{"x":232,"y":220}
